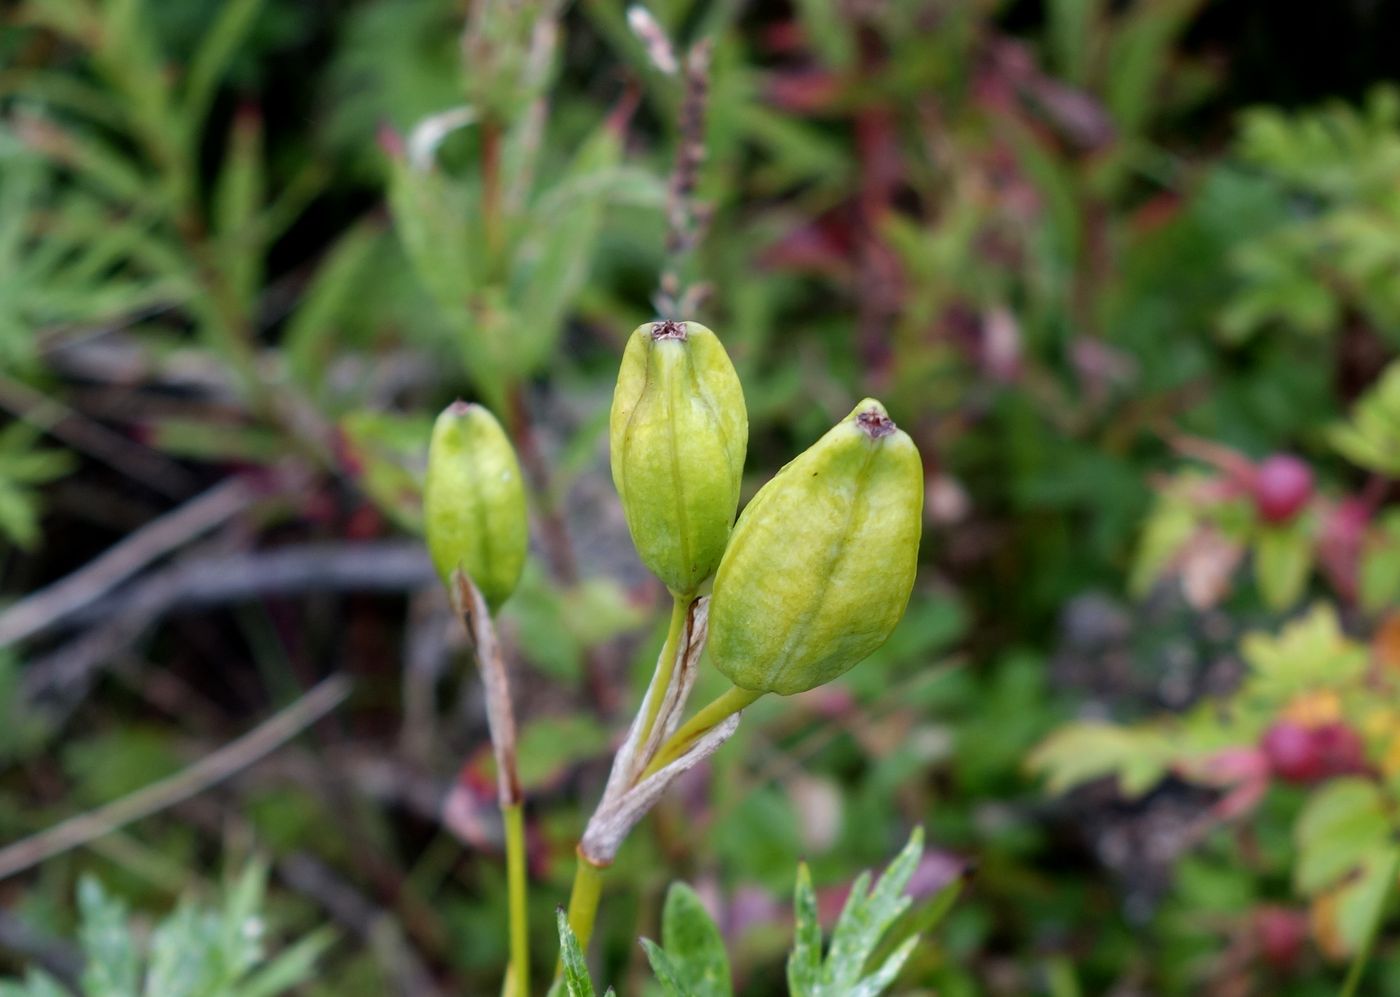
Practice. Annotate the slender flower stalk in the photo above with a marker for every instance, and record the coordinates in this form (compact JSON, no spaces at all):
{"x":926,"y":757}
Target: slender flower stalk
{"x":665,"y":664}
{"x":587,"y":891}
{"x":475,"y":521}
{"x":517,"y":895}
{"x":724,"y":706}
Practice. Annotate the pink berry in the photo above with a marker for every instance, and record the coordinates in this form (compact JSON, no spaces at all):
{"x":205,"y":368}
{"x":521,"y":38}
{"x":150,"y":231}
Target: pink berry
{"x":1310,"y":754}
{"x":1293,"y":753}
{"x":1282,"y":486}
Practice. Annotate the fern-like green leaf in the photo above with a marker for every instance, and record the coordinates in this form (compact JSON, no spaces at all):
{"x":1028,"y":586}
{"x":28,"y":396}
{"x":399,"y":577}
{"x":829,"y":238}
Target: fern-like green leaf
{"x":867,"y":916}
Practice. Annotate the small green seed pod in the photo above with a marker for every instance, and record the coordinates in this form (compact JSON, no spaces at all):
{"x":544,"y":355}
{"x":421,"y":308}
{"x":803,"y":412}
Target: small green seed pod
{"x":822,"y":561}
{"x":474,"y":502}
{"x":678,"y":432}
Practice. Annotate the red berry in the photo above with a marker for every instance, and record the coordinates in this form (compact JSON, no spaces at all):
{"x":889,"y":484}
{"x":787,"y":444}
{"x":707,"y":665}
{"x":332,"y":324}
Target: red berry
{"x":1280,"y":933}
{"x":1293,"y":753}
{"x":1310,"y":754}
{"x":1282,"y":486}
{"x":1341,"y":749}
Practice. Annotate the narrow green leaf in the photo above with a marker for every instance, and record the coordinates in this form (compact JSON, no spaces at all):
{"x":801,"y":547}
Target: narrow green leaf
{"x":1283,"y":560}
{"x":293,"y":967}
{"x":238,"y":196}
{"x":309,"y":338}
{"x":211,"y":60}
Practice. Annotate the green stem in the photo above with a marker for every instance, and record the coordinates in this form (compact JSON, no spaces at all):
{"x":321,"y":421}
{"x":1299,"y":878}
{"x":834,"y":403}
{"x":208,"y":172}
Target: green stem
{"x":514,"y":817}
{"x":583,"y":900}
{"x":666,"y":664}
{"x":727,"y":704}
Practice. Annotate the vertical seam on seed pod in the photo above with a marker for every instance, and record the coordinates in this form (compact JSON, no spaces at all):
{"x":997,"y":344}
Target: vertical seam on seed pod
{"x":682,"y":520}
{"x":796,"y":634}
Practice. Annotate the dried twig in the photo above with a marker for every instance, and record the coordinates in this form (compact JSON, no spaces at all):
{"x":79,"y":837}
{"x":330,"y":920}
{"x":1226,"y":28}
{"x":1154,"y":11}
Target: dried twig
{"x":43,"y":609}
{"x":148,"y":466}
{"x":121,"y":617}
{"x":372,"y":566}
{"x":208,"y":771}
{"x":686,"y":219}
{"x":58,"y":958}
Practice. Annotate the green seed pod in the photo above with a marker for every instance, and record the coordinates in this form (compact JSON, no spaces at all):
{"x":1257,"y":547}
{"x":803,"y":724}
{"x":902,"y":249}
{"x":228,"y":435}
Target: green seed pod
{"x":822,"y":561}
{"x":474,"y":502}
{"x":678,"y":431}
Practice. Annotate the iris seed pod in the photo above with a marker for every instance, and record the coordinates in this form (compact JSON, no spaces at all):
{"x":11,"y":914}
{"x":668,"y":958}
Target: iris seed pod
{"x":822,"y":561}
{"x":474,"y":502}
{"x":678,"y":432}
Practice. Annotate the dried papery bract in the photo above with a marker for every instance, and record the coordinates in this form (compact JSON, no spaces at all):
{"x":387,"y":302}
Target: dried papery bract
{"x":615,"y":810}
{"x":678,"y":432}
{"x":471,"y":607}
{"x":636,"y":781}
{"x":821,"y":563}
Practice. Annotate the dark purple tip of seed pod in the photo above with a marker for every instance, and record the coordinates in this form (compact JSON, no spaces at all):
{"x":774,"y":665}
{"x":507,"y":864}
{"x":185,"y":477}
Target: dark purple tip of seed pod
{"x":668,"y":330}
{"x":875,"y":423}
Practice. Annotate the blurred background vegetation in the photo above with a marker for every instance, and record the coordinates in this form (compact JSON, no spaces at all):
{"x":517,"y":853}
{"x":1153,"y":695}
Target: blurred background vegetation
{"x":248,"y":250}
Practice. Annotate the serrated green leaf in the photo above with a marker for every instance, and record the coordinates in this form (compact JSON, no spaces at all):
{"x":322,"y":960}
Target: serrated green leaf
{"x":862,"y":924}
{"x":113,"y":963}
{"x":1343,"y":826}
{"x":865,"y":918}
{"x":668,"y":974}
{"x":1309,"y":653}
{"x":805,"y":961}
{"x":694,"y":944}
{"x":1080,"y":753}
{"x":876,"y":983}
{"x":577,"y":980}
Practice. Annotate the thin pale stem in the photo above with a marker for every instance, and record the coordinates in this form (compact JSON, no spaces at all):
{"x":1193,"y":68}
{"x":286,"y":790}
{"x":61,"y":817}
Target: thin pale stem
{"x":727,"y":704}
{"x":514,"y":817}
{"x":665,"y":664}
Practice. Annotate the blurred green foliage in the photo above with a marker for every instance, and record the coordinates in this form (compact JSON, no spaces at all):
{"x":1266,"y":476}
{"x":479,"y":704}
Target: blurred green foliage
{"x":242,"y":235}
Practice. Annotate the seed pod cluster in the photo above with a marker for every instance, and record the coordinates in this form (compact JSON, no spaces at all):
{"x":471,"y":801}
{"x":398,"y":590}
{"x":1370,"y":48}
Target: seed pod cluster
{"x":474,"y":502}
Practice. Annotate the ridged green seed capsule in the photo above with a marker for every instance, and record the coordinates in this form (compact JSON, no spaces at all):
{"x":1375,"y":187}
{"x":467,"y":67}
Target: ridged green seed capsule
{"x":678,"y":431}
{"x":822,"y":561}
{"x":474,"y":502}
